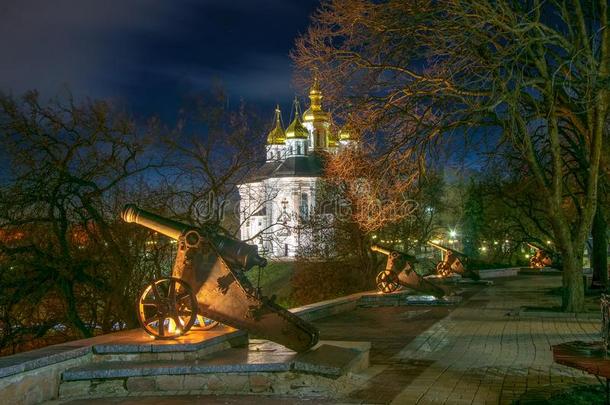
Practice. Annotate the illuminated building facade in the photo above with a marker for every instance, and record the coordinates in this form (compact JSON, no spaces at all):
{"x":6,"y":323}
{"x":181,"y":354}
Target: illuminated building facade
{"x":282,"y":193}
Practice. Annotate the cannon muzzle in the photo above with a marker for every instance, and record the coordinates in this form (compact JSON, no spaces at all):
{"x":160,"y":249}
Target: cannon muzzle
{"x":231,"y":250}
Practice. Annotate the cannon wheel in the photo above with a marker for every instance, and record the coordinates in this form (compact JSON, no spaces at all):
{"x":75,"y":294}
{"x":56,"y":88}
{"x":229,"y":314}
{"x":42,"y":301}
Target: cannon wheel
{"x":204,"y":323}
{"x":443,"y":269}
{"x":387,"y":281}
{"x":167,"y":308}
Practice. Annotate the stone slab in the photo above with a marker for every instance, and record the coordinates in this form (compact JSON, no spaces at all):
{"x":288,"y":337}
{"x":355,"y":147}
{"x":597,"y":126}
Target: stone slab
{"x":545,"y":271}
{"x":130,"y":341}
{"x":46,"y":356}
{"x":405,"y":297}
{"x":326,"y":358}
{"x":327,"y":308}
{"x":495,"y":273}
{"x":138,"y":341}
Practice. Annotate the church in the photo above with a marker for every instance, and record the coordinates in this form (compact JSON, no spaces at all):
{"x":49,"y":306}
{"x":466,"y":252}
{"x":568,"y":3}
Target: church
{"x":281,"y":194}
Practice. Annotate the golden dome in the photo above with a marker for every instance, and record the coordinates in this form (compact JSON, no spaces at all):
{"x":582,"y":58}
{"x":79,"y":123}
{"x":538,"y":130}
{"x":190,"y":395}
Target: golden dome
{"x":277,"y":136}
{"x":314,"y":112}
{"x":345,"y":134}
{"x":311,"y":115}
{"x":296,"y":130}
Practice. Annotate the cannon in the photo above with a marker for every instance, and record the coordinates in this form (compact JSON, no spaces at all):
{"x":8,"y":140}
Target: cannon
{"x":453,"y":262}
{"x":208,"y":280}
{"x":541,"y":258}
{"x":399,"y":271}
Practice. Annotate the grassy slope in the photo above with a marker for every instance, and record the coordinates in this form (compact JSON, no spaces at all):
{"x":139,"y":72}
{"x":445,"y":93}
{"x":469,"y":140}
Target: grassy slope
{"x":274,"y":280}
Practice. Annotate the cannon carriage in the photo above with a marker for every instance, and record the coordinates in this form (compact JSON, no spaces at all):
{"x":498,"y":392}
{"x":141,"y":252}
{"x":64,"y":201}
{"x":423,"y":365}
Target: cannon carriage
{"x":399,"y":271}
{"x":453,"y":262}
{"x":208,"y":285}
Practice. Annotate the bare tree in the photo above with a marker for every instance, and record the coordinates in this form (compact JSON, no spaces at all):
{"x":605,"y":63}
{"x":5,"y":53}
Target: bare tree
{"x":534,"y":71}
{"x":216,"y":148}
{"x":67,"y":266}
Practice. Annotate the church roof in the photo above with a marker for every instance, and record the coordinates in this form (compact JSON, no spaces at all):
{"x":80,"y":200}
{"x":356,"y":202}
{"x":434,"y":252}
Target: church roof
{"x":294,"y":166}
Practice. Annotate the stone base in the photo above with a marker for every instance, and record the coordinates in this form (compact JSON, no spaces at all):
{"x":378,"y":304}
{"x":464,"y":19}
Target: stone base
{"x":405,"y":297}
{"x":262,"y":368}
{"x":545,"y":271}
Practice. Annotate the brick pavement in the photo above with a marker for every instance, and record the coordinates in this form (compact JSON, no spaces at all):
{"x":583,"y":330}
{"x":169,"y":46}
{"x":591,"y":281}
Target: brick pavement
{"x":483,"y":352}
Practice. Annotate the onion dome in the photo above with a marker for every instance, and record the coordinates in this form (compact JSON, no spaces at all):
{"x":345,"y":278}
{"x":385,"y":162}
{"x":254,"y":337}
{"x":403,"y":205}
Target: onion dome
{"x":277,"y":136}
{"x":314,"y":112}
{"x":345,"y":134}
{"x":296,"y":130}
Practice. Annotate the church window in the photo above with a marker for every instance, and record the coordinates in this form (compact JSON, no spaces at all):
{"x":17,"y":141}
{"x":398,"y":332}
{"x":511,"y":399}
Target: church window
{"x":304,"y":207}
{"x":298,"y":148}
{"x":285,"y":249}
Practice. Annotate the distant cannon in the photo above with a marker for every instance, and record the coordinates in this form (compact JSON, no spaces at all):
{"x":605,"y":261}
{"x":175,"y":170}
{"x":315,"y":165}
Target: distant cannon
{"x":208,"y":280}
{"x":453,"y":262}
{"x":399,"y":271}
{"x":541,"y":258}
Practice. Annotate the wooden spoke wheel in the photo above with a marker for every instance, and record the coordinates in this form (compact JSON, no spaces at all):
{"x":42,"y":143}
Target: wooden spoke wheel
{"x":443,"y":269}
{"x":387,"y":281}
{"x":167,"y":308}
{"x":204,"y":323}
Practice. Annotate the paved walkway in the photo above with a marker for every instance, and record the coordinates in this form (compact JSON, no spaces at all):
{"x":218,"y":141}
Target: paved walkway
{"x":485,"y":351}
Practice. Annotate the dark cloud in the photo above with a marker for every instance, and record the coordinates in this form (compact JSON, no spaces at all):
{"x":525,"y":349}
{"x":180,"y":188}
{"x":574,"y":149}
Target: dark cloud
{"x":147,"y":53}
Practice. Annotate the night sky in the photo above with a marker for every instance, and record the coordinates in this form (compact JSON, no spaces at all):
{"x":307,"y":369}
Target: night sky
{"x":148,"y":55}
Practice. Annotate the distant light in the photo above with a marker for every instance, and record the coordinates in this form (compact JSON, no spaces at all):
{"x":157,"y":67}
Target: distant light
{"x":495,"y":242}
{"x":453,"y":233}
{"x":527,"y":256}
{"x":374,"y":236}
{"x":548,"y":242}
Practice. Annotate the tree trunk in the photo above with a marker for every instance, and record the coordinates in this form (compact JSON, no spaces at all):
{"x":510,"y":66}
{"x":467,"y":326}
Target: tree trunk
{"x":573,"y":286}
{"x":71,"y":311}
{"x":599,"y":253}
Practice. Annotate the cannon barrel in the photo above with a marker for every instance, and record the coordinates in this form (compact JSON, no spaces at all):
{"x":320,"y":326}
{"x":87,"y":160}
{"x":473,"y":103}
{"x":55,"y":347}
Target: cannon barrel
{"x":231,"y":250}
{"x":380,"y":249}
{"x":168,"y":227}
{"x":448,"y":250}
{"x":395,"y":253}
{"x":443,"y":248}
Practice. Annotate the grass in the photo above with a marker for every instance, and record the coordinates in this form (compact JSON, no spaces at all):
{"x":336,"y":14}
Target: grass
{"x":582,"y":394}
{"x":275,"y":280}
{"x":576,"y":395}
